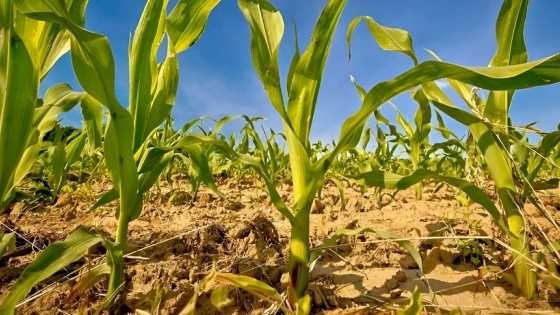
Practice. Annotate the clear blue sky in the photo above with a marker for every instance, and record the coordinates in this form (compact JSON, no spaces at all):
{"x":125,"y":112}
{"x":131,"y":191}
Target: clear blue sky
{"x":217,"y":76}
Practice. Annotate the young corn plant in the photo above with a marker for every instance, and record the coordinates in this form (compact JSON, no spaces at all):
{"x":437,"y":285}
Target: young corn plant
{"x":132,"y":166}
{"x":303,"y":82}
{"x":29,"y":48}
{"x":488,"y":122}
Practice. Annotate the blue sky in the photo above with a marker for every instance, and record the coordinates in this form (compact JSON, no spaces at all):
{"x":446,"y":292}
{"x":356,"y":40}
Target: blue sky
{"x":217,"y":76}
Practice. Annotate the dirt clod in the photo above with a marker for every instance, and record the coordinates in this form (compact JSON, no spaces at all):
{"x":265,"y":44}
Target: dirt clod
{"x":392,"y":283}
{"x":396,"y":293}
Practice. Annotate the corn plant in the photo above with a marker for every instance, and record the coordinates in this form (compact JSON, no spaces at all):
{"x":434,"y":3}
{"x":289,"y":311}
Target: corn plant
{"x":488,"y":122}
{"x":303,"y":82}
{"x":303,"y":85}
{"x":61,"y":155}
{"x":29,"y":48}
{"x":152,"y":94}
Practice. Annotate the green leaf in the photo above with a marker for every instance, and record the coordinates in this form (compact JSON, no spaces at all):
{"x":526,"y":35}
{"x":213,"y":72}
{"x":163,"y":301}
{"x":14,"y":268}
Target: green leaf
{"x":19,"y":86}
{"x":52,"y":259}
{"x":93,"y":64}
{"x":7,"y":241}
{"x":91,"y":278}
{"x":308,"y":73}
{"x":303,"y":306}
{"x":74,"y":150}
{"x":498,"y":163}
{"x":391,"y":39}
{"x":220,"y":297}
{"x":143,"y":66}
{"x":511,"y":51}
{"x":361,"y":91}
{"x":415,"y":307}
{"x":93,"y":122}
{"x":251,"y":285}
{"x":536,"y":73}
{"x":295,"y":59}
{"x":58,"y":159}
{"x":267,"y":28}
{"x":187,"y":21}
{"x":200,"y":163}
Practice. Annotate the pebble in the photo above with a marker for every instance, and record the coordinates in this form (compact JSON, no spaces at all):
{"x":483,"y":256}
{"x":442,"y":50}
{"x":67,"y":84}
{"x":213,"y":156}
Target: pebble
{"x":401,"y":276}
{"x":396,"y":293}
{"x":392,"y":283}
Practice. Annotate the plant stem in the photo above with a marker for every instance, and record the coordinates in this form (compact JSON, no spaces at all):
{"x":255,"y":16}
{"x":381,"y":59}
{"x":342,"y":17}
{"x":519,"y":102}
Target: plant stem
{"x":298,"y":266}
{"x":418,"y":190}
{"x":526,"y":278}
{"x":115,"y":279}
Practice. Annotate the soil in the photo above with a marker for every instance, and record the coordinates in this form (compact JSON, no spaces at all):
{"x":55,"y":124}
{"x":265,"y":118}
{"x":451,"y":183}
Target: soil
{"x":173,"y":245}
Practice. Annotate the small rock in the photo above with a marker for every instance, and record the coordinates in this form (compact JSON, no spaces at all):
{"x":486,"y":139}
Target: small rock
{"x":205,"y":197}
{"x":235,"y":205}
{"x":64,"y":200}
{"x":318,"y":207}
{"x":70,"y":215}
{"x":401,"y":276}
{"x":392,"y":283}
{"x":275,"y":274}
{"x":396,"y":293}
{"x":269,"y":255}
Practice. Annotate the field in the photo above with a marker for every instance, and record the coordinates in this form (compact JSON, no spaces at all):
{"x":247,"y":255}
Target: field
{"x":130,"y":214}
{"x":172,"y":245}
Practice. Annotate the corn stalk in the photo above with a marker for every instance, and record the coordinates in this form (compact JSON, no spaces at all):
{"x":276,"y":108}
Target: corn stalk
{"x":153,"y":90}
{"x":489,"y":126}
{"x":304,"y":79}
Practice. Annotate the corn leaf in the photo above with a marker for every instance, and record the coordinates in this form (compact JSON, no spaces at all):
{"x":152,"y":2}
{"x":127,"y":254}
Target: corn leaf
{"x":391,"y":39}
{"x":536,"y":73}
{"x":19,"y":83}
{"x":143,"y":66}
{"x":251,"y":285}
{"x":93,"y":122}
{"x":308,"y":73}
{"x":511,"y":51}
{"x":220,"y":297}
{"x":94,"y":67}
{"x":187,"y":21}
{"x":7,"y":241}
{"x":52,"y":259}
{"x":91,"y":278}
{"x":415,"y":307}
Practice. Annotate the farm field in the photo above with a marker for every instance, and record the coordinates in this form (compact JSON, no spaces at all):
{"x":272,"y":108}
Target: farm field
{"x":173,"y":244}
{"x":451,"y":208}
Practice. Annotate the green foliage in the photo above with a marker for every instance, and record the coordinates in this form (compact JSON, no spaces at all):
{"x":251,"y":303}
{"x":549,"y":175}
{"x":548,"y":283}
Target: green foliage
{"x":135,"y":150}
{"x":52,"y":259}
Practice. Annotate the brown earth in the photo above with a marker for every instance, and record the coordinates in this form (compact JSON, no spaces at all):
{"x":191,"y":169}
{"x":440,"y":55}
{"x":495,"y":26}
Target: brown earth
{"x":174,"y":244}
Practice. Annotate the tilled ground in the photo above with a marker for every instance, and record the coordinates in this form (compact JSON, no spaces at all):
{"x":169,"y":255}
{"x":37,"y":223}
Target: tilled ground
{"x":173,"y":245}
